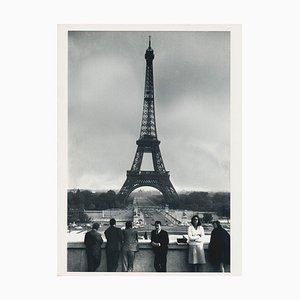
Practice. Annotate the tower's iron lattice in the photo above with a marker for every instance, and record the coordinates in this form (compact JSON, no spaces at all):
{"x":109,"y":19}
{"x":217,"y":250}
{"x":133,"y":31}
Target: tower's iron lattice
{"x":148,"y":143}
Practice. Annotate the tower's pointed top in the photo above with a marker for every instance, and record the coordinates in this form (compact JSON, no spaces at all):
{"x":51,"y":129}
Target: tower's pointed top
{"x":149,"y":52}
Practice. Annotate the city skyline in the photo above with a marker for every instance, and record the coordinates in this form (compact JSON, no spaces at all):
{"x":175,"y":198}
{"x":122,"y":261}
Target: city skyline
{"x":192,"y":107}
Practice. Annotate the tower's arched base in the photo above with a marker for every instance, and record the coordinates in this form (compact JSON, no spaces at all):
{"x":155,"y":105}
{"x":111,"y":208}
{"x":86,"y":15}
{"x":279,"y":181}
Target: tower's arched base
{"x":160,"y":181}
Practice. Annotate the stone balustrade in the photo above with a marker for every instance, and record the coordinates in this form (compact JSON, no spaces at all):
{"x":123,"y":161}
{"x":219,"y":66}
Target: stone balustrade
{"x":177,"y":259}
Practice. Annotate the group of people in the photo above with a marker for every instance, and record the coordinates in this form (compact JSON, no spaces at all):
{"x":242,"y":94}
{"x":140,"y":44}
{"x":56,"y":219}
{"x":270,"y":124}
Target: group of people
{"x":125,"y":243}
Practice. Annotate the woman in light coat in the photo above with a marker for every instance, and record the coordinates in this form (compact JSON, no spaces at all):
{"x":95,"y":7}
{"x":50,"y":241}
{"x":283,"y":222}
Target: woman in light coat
{"x":196,"y":256}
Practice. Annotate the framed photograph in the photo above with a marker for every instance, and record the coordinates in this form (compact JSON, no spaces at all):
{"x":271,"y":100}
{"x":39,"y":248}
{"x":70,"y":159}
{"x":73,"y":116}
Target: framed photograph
{"x":149,"y":149}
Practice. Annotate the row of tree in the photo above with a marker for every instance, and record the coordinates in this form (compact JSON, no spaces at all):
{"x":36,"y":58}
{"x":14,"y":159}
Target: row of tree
{"x":201,"y":201}
{"x":87,"y":200}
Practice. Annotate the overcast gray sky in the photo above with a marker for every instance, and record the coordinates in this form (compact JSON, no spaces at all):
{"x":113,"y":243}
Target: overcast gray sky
{"x":192,"y":106}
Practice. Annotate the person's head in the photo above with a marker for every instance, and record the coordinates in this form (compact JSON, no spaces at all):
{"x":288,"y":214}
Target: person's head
{"x":112,"y":222}
{"x":157,"y":225}
{"x":128,"y":224}
{"x":216,"y":224}
{"x":195,"y":221}
{"x":96,"y":226}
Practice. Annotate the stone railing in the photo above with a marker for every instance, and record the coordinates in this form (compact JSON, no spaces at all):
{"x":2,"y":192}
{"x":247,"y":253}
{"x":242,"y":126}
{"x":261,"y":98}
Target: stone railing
{"x":177,"y":259}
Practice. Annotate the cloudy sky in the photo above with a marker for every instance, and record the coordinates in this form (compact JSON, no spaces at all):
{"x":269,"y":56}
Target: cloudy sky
{"x":192,"y":106}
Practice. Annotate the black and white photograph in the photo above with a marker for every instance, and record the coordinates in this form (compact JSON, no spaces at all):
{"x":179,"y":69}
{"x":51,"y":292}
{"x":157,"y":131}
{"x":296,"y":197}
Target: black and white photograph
{"x":149,"y":151}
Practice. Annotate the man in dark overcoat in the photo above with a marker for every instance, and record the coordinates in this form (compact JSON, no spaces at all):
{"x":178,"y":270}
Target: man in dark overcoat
{"x":93,"y":241}
{"x":159,"y":242}
{"x":113,"y":236}
{"x":219,"y":247}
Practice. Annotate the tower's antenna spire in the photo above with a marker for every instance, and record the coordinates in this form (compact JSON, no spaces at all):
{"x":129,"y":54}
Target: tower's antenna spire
{"x":149,"y":41}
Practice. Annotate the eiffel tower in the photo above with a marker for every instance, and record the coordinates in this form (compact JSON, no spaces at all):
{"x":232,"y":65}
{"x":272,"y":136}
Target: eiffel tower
{"x":148,"y":143}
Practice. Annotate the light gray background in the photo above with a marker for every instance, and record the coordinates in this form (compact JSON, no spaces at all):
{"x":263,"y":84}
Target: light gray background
{"x":270,"y":129}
